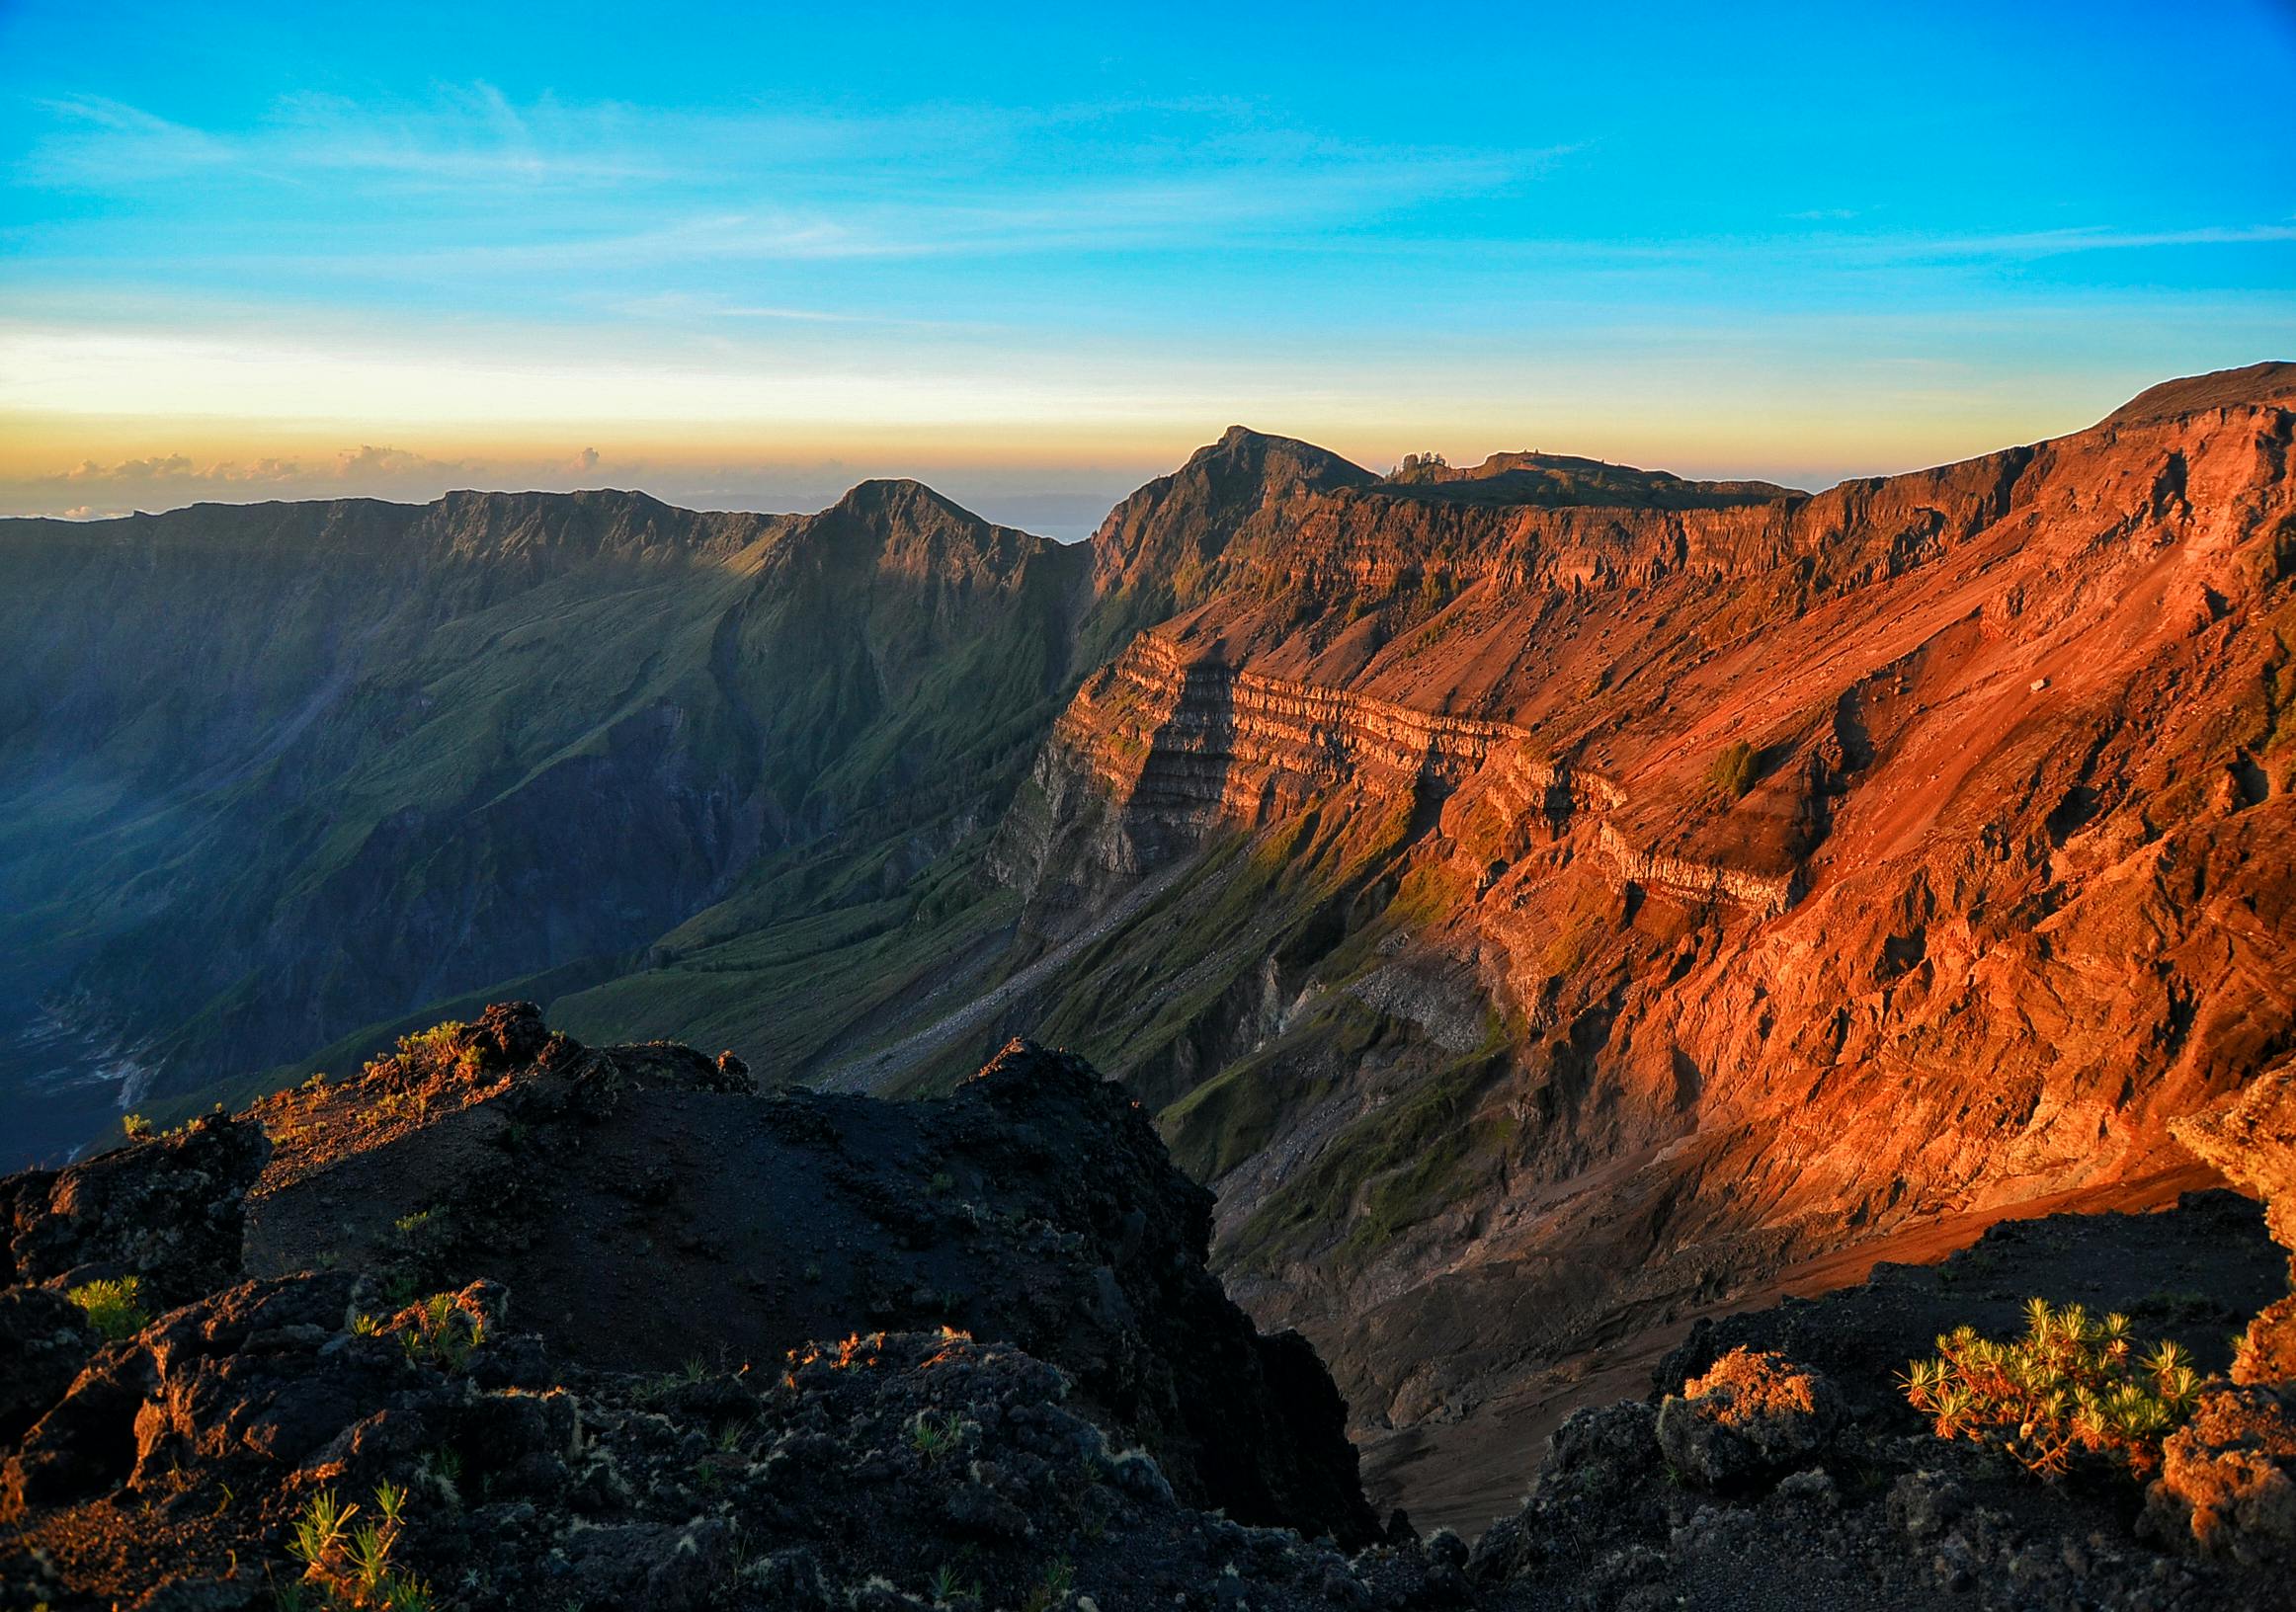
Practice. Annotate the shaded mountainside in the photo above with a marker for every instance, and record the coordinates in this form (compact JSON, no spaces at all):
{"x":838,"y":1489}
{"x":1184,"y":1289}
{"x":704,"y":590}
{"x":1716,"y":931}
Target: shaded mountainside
{"x":1050,"y":1430}
{"x":278,"y":773}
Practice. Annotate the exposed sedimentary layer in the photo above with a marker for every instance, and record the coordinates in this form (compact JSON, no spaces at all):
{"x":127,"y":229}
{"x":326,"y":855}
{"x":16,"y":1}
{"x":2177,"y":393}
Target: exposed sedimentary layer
{"x":1180,"y":745}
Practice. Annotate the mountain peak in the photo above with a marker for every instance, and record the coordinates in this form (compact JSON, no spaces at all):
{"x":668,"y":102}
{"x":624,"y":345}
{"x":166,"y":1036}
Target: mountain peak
{"x":883,"y":493}
{"x":2254,"y":384}
{"x":1284,"y":463}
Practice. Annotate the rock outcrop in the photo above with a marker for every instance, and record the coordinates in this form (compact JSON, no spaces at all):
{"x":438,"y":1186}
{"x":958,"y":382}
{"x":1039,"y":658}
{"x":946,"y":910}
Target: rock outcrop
{"x":1752,"y":1415}
{"x":2228,"y":1478}
{"x":167,"y":1212}
{"x":609,"y":1188}
{"x":2252,"y":1139}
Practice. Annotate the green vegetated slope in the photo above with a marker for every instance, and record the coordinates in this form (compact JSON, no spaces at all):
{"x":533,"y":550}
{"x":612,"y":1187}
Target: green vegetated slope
{"x":273,"y":774}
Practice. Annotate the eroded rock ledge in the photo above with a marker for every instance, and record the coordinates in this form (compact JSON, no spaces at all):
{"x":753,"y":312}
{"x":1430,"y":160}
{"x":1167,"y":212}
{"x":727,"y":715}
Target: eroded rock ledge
{"x":1175,"y":744}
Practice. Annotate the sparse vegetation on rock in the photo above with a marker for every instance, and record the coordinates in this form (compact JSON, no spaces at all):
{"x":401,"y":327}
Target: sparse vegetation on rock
{"x":1731,"y":770}
{"x":1752,"y":1415}
{"x":2074,"y":1384}
{"x":113,"y":1307}
{"x":329,"y":1439}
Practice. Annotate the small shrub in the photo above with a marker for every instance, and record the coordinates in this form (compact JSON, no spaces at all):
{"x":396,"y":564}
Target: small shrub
{"x":138,"y":1128}
{"x":439,"y":1050}
{"x":1052,"y":1589}
{"x":934,"y":1437}
{"x":441,"y":1332}
{"x":947,"y":1584}
{"x":349,"y":1569}
{"x":114,"y":1309}
{"x":1731,"y":770}
{"x":2072,"y":1387}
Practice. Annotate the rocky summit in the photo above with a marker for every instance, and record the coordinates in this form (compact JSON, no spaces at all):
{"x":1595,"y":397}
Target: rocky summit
{"x":369,"y":1344}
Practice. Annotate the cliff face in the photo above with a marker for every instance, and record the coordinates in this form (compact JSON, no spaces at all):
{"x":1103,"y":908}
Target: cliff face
{"x":1557,"y":1010}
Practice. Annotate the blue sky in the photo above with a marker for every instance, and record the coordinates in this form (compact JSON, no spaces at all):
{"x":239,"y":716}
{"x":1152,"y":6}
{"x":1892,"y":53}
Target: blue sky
{"x":743,"y":256}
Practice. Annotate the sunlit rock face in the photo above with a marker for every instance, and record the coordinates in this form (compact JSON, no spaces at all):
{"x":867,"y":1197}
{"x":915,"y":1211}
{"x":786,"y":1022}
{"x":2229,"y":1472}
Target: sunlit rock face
{"x":1516,"y":1002}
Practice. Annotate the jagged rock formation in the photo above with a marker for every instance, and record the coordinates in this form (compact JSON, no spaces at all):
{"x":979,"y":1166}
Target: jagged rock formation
{"x":1754,"y":1415}
{"x":2227,"y":1480}
{"x":168,"y":1214}
{"x":609,"y":1188}
{"x":1111,"y":1383}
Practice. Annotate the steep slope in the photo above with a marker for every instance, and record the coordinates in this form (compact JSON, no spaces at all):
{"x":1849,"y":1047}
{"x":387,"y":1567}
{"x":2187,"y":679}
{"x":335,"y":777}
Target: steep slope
{"x":1591,"y":911}
{"x":274,"y":773}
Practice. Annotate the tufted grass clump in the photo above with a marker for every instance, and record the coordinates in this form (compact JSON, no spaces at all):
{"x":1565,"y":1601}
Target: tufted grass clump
{"x":440,"y":1332}
{"x":934,"y":1437}
{"x":2073,"y":1388}
{"x":437,"y":1051}
{"x":347,"y":1567}
{"x":1731,"y":770}
{"x":113,"y":1307}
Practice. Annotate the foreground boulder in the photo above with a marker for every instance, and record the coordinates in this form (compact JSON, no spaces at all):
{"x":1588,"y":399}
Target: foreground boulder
{"x":168,"y":1212}
{"x":2252,"y":1139}
{"x":1753,"y":1415}
{"x":2228,"y":1479}
{"x":609,"y":1326}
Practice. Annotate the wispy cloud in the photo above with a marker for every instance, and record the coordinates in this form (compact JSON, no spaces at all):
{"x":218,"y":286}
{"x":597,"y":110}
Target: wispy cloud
{"x":779,"y":184}
{"x":2049,"y":243}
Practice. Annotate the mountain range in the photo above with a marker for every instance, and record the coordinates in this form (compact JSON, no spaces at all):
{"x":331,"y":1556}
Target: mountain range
{"x":1545,"y":901}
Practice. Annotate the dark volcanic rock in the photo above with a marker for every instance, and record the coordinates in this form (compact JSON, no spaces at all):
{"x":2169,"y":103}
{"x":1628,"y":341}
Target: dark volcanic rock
{"x":550,"y":1333}
{"x":1751,"y":1417}
{"x":44,"y":1340}
{"x":167,"y":1211}
{"x":2228,"y":1479}
{"x":1057,"y":1447}
{"x":1036,"y":1205}
{"x":893,"y":1466}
